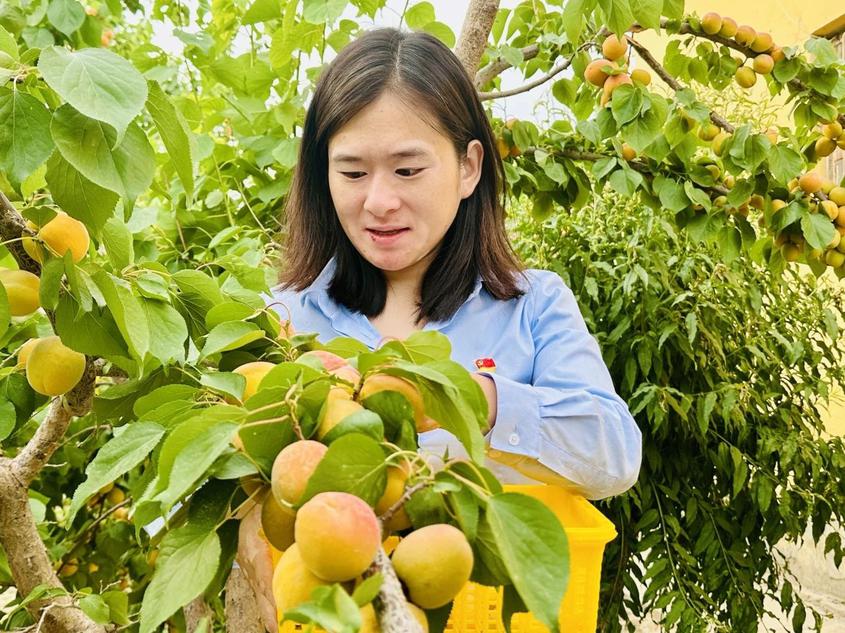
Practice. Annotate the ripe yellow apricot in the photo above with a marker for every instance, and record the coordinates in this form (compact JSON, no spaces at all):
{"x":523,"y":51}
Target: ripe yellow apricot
{"x":718,"y":143}
{"x":832,"y":130}
{"x":837,"y":194}
{"x":762,"y":43}
{"x":277,"y":523}
{"x":613,"y":47}
{"x":61,"y":234}
{"x":745,"y":35}
{"x":293,"y":582}
{"x":502,"y":147}
{"x":708,"y":131}
{"x":338,"y":535}
{"x":335,"y":410}
{"x":24,"y":352}
{"x":254,"y":373}
{"x":729,"y":27}
{"x":711,"y":23}
{"x":22,"y":289}
{"x":834,"y":258}
{"x":376,"y":383}
{"x":763,"y":64}
{"x":595,"y":72}
{"x":840,"y":217}
{"x":830,"y":208}
{"x":329,"y":360}
{"x":811,"y":182}
{"x":628,"y":152}
{"x":396,"y":478}
{"x":824,"y":147}
{"x":293,"y":467}
{"x":53,"y":369}
{"x":745,"y":77}
{"x":434,"y":562}
{"x":641,"y":76}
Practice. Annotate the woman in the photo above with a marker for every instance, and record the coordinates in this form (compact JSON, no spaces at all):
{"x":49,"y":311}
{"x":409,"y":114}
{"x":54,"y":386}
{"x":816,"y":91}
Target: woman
{"x":395,"y":223}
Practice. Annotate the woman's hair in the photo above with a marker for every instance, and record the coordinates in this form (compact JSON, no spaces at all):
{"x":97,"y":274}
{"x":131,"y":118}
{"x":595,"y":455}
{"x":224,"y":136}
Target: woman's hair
{"x":426,"y":75}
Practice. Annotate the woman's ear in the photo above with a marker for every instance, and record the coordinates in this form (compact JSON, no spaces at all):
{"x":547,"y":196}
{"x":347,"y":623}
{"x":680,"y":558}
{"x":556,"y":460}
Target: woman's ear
{"x":471,"y":168}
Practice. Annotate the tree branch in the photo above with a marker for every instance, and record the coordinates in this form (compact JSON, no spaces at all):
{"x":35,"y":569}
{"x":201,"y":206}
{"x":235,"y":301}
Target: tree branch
{"x":499,"y":65}
{"x":242,"y":614}
{"x":673,"y":83}
{"x":474,"y":33}
{"x":28,"y":559}
{"x":390,"y":604}
{"x":485,"y":96}
{"x":12,"y":227}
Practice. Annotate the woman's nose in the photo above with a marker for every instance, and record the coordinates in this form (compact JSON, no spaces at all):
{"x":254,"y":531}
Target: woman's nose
{"x":382,"y":197}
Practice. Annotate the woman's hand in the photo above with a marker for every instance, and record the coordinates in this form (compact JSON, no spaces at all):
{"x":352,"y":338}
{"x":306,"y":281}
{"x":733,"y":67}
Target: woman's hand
{"x":488,"y":386}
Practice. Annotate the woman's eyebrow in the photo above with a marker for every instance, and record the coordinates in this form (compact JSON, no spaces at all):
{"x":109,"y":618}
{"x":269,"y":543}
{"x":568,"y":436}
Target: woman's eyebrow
{"x":405,"y":153}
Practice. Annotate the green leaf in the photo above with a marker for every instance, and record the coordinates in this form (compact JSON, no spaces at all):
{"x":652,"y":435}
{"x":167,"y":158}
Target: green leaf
{"x":89,"y":146}
{"x":320,"y":11}
{"x":187,"y":563}
{"x":647,"y":13}
{"x":419,"y":15}
{"x":117,"y":241}
{"x":355,"y":464}
{"x":82,"y":199}
{"x":129,"y":447}
{"x":818,"y":229}
{"x":8,"y":418}
{"x":329,"y":607}
{"x":231,"y":335}
{"x":174,"y":132}
{"x":125,"y":307}
{"x":672,"y":195}
{"x":364,"y":422}
{"x":95,"y":608}
{"x":8,"y":44}
{"x":118,"y":603}
{"x":170,"y":331}
{"x":574,"y":17}
{"x":66,"y":15}
{"x":626,"y":104}
{"x":93,"y":332}
{"x":97,"y":83}
{"x":262,"y":11}
{"x":535,"y":552}
{"x":186,"y":454}
{"x":442,"y":32}
{"x":367,"y":590}
{"x":617,"y":15}
{"x":51,"y":282}
{"x":25,"y":140}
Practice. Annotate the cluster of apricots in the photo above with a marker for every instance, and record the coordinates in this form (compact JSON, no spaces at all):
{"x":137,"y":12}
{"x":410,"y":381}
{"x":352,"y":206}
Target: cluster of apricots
{"x":832,"y":137}
{"x":52,"y":369}
{"x":824,"y":198}
{"x":765,"y":52}
{"x":609,"y":72}
{"x":333,"y":537}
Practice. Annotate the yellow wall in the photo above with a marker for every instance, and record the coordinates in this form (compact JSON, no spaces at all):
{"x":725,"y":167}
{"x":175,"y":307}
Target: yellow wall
{"x":790,"y":22}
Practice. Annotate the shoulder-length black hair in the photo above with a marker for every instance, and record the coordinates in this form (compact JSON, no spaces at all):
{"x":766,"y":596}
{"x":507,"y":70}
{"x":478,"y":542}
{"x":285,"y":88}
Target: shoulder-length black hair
{"x":421,"y":70}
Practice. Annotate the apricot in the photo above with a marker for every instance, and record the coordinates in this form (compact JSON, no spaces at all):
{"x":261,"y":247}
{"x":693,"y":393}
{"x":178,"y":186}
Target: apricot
{"x":711,"y":23}
{"x":840,"y":216}
{"x":824,"y":147}
{"x":708,"y":131}
{"x":53,"y":369}
{"x":293,"y":582}
{"x":745,"y":77}
{"x":791,"y":252}
{"x":641,"y":76}
{"x":328,"y":360}
{"x":22,"y":289}
{"x":830,"y":208}
{"x":347,"y":373}
{"x":777,"y":54}
{"x":832,"y":130}
{"x":718,"y":143}
{"x":834,"y":258}
{"x":595,"y":72}
{"x":811,"y":182}
{"x":397,"y":476}
{"x":762,"y":43}
{"x":293,"y":467}
{"x":335,"y":410}
{"x":434,"y":562}
{"x":612,"y":84}
{"x":837,"y":194}
{"x":277,"y":522}
{"x":61,"y":234}
{"x":613,"y":47}
{"x":745,"y":35}
{"x":628,"y":152}
{"x":338,"y":535}
{"x":763,"y":64}
{"x":377,"y":383}
{"x":729,"y":27}
{"x":502,"y":147}
{"x":254,"y":373}
{"x":24,"y":351}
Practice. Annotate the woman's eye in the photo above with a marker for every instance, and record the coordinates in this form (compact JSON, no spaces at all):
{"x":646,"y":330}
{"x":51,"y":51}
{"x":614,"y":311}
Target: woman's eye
{"x":352,"y":174}
{"x":408,"y":172}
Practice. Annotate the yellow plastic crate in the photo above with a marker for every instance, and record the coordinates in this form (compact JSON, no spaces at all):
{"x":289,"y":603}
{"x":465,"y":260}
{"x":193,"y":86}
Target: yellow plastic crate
{"x":477,"y":608}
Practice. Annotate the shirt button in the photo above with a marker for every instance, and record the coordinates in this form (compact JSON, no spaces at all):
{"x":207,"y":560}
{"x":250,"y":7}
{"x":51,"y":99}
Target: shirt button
{"x":513,"y":440}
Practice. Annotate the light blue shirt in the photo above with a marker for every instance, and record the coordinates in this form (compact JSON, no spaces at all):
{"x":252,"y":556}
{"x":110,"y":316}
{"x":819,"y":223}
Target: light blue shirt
{"x":559,"y":419}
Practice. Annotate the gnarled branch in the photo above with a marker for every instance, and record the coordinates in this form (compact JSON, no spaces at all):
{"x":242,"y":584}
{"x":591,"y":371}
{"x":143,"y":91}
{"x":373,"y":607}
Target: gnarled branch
{"x":474,"y":33}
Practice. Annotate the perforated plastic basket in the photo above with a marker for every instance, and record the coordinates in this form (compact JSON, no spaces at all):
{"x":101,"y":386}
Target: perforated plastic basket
{"x":477,"y":608}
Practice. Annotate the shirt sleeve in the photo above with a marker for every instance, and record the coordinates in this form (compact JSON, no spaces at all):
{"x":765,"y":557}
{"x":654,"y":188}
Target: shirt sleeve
{"x":569,"y":427}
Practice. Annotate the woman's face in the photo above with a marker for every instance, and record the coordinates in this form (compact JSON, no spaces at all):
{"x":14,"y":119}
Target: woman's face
{"x":396,"y":184}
